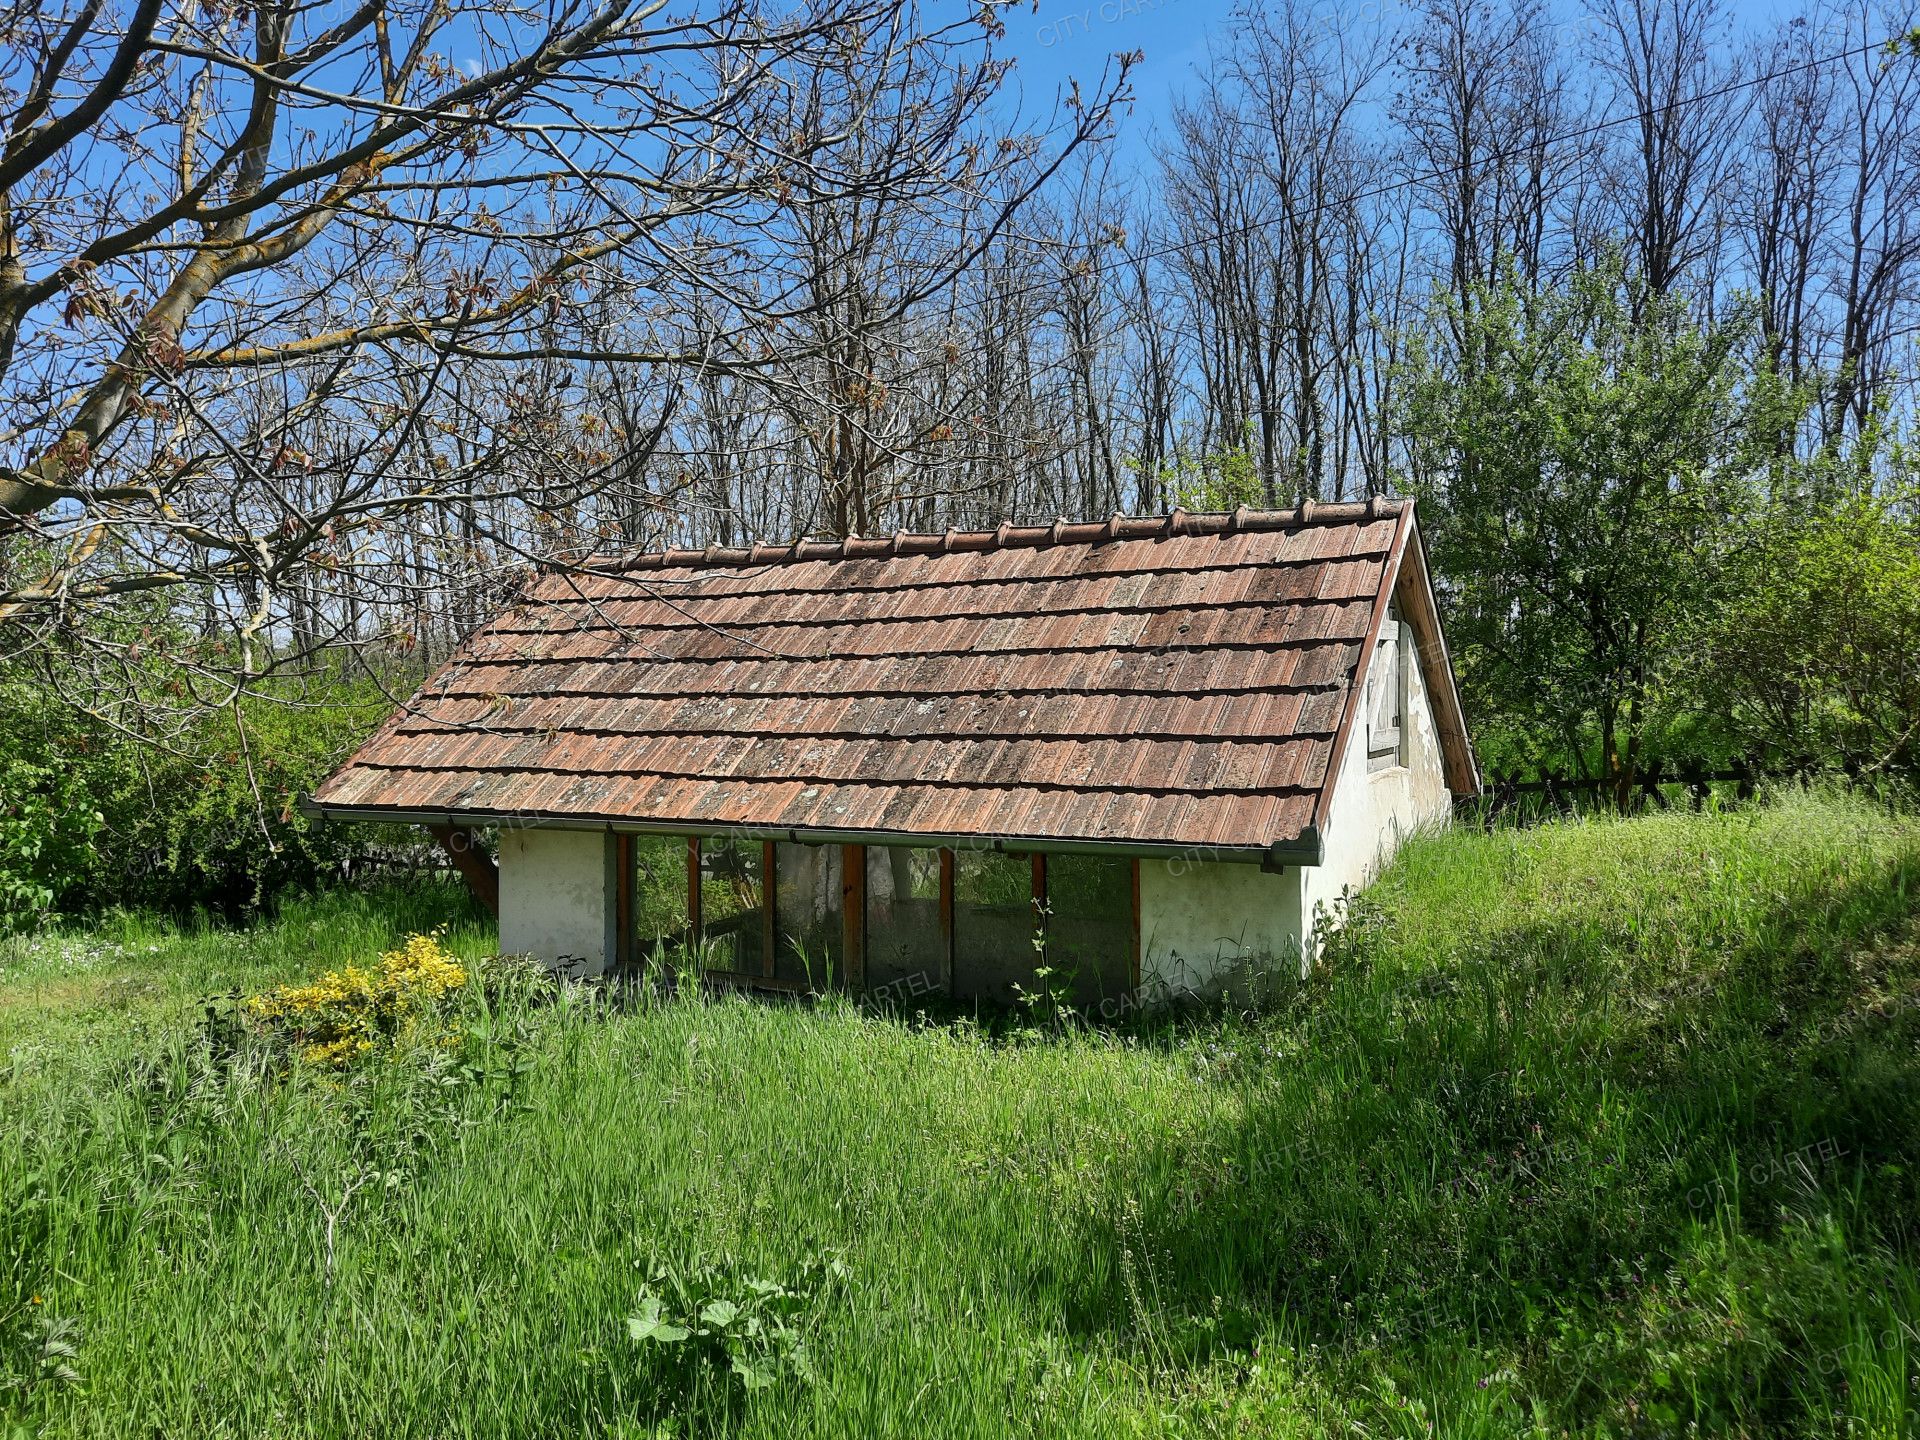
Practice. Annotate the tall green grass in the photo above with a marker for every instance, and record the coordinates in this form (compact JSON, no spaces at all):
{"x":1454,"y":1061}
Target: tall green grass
{"x":1606,"y":1127}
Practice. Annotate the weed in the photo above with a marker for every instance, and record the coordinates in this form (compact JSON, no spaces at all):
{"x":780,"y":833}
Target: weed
{"x":1603,"y":1127}
{"x":709,"y":1319}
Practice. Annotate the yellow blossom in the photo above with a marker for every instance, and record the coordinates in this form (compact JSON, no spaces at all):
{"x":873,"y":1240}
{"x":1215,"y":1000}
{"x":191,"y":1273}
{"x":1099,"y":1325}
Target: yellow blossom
{"x":345,"y":1012}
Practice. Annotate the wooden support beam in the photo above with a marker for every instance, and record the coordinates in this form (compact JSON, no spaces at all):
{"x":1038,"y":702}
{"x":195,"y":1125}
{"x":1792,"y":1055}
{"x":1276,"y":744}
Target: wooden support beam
{"x":769,"y":926}
{"x":695,"y":930}
{"x":476,"y":867}
{"x":853,"y":916}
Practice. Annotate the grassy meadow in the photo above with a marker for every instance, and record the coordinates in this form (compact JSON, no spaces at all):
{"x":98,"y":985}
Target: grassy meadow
{"x":1604,"y":1127}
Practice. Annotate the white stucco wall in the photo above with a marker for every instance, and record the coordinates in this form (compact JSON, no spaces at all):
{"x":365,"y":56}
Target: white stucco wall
{"x":1374,"y":810}
{"x":1207,"y":925}
{"x":558,"y":897}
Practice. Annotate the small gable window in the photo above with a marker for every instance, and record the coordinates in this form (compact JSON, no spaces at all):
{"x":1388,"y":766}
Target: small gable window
{"x":1386,"y":697}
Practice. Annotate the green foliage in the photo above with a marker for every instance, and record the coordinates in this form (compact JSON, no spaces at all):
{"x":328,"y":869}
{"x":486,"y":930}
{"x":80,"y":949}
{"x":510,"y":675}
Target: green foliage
{"x":36,"y":1350}
{"x":1580,"y":456}
{"x":37,"y":1346}
{"x":95,"y":813}
{"x":1817,"y":650}
{"x":707,"y":1321}
{"x":1609,"y":1127}
{"x":49,"y":817}
{"x":225,"y":831}
{"x":1221,"y":480}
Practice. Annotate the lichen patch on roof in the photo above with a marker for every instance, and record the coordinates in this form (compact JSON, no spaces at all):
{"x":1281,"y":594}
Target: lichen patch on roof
{"x":1174,"y":681}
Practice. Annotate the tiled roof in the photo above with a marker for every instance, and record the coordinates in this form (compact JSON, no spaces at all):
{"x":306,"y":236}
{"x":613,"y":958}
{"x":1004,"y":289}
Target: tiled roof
{"x":1166,"y":682}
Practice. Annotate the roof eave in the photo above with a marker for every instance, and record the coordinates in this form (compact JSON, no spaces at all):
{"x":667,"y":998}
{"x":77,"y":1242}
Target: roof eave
{"x":1307,"y":849}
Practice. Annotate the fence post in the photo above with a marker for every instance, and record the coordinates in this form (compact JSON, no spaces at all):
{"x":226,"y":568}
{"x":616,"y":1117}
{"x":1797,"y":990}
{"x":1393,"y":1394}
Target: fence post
{"x":1650,"y":786}
{"x":1697,"y":786}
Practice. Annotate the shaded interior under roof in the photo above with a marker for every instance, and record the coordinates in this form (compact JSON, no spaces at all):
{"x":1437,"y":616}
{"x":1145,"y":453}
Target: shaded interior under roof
{"x":1162,"y":683}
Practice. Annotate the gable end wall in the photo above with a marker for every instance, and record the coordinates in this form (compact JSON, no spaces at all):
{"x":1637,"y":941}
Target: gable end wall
{"x":1372,"y":811}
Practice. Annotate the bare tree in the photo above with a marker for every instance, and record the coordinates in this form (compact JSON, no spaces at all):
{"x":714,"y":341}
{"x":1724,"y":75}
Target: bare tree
{"x":1784,"y":198}
{"x":1153,"y":384}
{"x":1668,"y":179}
{"x":1264,"y":180}
{"x":1876,"y":245}
{"x":313,"y":315}
{"x":1485,"y":108}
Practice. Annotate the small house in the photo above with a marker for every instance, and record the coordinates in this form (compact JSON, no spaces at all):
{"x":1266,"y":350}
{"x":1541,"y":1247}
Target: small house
{"x":1145,"y":753}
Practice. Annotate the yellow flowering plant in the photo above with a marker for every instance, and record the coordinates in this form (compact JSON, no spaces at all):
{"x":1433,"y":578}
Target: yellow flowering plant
{"x":347,"y":1012}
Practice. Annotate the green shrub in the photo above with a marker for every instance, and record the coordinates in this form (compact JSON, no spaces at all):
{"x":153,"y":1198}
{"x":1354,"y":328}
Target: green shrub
{"x":50,"y":819}
{"x":95,"y":812}
{"x":1818,"y":648}
{"x":346,"y":1013}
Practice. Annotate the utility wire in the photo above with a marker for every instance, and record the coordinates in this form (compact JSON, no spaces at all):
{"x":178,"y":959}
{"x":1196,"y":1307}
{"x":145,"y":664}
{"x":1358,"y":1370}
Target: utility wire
{"x":1424,"y":177}
{"x":956,"y":306}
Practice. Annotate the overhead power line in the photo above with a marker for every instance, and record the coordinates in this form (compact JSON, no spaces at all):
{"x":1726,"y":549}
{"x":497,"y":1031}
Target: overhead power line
{"x":1493,"y":158}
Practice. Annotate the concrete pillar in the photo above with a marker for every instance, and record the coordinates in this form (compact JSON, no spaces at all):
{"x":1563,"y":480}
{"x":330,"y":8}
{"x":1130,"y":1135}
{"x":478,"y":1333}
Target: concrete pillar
{"x":1207,"y":926}
{"x":559,"y":898}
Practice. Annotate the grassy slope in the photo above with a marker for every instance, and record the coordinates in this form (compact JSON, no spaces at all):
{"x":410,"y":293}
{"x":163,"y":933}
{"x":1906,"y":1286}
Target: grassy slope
{"x":1601,"y":1127}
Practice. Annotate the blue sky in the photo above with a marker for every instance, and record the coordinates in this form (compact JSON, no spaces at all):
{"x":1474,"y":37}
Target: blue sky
{"x":1067,"y":39}
{"x":1074,"y":39}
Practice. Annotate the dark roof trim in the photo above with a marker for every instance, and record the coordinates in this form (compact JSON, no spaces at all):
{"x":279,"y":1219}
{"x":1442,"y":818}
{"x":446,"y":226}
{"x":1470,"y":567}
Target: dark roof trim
{"x":1436,"y":667}
{"x":1407,"y":560}
{"x":1178,"y":522}
{"x":1306,"y":850}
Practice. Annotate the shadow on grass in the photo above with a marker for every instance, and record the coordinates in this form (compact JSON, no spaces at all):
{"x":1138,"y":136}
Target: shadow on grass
{"x":1570,"y":1151}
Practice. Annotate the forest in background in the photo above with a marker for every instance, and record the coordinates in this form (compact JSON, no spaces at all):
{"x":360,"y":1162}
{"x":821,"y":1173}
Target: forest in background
{"x":319,"y":326}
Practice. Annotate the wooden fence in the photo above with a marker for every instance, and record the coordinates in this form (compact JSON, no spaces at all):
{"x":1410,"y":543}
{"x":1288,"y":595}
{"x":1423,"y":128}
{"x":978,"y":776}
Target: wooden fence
{"x":1657,"y":786}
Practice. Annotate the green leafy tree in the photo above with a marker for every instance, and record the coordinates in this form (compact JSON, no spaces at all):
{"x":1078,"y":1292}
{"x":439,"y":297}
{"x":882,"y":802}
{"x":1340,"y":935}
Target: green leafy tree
{"x":1580,"y":455}
{"x":1215,"y":480}
{"x":212,"y":822}
{"x":1817,"y":650}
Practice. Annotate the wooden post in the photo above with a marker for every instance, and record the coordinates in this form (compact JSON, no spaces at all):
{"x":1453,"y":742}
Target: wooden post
{"x":853,"y":916}
{"x":769,"y":928}
{"x":693,"y":889}
{"x":946,"y":918}
{"x":1697,"y":790}
{"x":476,"y":867}
{"x":1650,"y":786}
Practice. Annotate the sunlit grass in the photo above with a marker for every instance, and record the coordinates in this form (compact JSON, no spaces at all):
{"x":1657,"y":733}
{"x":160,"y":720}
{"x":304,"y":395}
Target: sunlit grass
{"x":1607,"y":1126}
{"x":139,"y":969}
